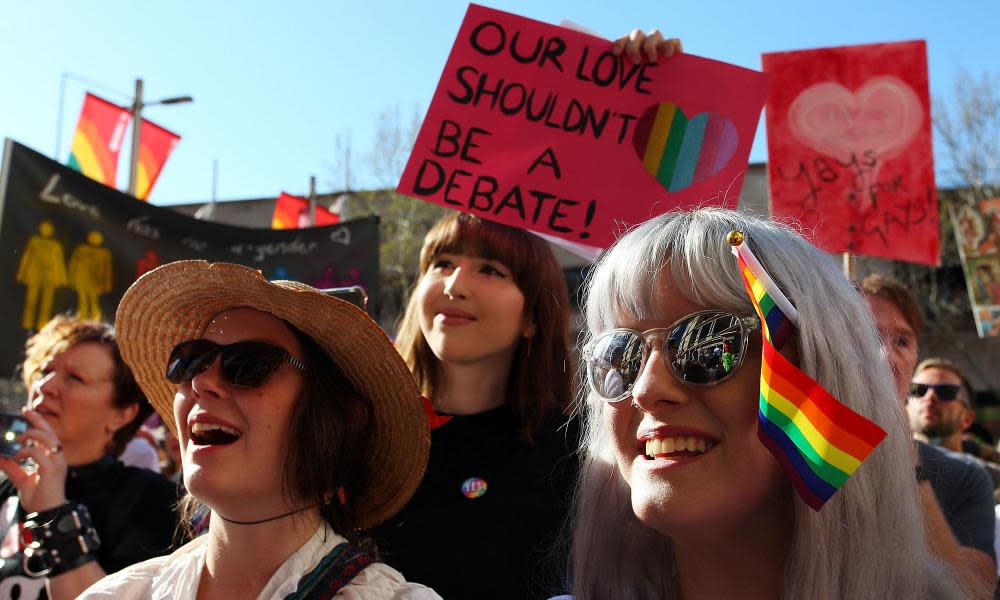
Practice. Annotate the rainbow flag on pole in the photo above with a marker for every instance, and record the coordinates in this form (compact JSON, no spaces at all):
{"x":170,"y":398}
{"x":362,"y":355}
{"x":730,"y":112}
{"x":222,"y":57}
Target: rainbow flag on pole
{"x":819,"y":441}
{"x":155,"y":145}
{"x":98,"y":139}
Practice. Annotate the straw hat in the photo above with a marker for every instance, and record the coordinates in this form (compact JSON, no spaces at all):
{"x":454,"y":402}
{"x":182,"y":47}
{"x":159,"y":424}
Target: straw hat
{"x":175,"y":302}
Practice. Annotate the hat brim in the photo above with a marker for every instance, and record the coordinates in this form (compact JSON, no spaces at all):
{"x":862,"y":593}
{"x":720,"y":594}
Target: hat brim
{"x":175,"y":302}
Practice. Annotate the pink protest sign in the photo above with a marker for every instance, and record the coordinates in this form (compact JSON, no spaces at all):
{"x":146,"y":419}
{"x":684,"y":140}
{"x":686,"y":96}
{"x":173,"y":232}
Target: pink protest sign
{"x":849,"y":149}
{"x":543,"y":128}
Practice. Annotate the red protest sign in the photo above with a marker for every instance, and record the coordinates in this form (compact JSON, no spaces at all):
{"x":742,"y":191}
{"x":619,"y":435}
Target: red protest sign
{"x":849,"y":148}
{"x":543,"y":128}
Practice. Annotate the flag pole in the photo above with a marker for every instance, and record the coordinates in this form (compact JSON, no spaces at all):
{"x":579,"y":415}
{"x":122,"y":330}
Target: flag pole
{"x":848,"y":261}
{"x":136,"y":126}
{"x":312,"y":200}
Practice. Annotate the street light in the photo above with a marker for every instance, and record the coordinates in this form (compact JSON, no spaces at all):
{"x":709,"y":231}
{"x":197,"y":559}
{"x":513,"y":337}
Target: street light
{"x":137,"y":106}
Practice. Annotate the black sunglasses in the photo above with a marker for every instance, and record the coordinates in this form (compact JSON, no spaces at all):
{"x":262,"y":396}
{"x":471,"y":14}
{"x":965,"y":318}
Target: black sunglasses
{"x":245,"y":364}
{"x":701,"y":349}
{"x":945,"y":392}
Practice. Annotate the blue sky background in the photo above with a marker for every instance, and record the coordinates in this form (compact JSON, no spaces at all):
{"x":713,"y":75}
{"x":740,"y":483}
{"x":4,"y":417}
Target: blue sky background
{"x":275,"y":84}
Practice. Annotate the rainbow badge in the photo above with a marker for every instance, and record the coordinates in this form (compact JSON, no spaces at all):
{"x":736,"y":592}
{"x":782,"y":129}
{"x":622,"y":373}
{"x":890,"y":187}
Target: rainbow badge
{"x":819,"y":441}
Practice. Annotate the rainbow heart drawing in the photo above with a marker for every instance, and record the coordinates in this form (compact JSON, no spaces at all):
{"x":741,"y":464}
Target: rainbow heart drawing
{"x":679,"y":151}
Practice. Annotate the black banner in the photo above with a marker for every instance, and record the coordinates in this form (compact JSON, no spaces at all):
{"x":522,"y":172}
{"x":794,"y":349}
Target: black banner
{"x":72,"y":244}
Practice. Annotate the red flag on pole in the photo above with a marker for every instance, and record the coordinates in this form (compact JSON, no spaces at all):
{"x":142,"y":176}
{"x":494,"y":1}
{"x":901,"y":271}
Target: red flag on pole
{"x":98,"y":139}
{"x":292,"y":212}
{"x":155,"y":145}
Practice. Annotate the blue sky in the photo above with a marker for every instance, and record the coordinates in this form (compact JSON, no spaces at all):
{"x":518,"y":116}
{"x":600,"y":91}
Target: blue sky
{"x":275,"y":83}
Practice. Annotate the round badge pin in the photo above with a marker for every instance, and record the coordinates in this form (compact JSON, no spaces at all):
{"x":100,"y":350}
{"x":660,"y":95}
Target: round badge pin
{"x":474,"y":487}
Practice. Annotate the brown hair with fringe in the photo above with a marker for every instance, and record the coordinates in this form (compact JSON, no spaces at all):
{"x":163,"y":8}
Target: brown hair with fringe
{"x":540,"y":382}
{"x":64,"y":332}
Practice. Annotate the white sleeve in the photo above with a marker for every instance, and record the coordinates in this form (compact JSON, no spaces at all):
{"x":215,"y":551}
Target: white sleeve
{"x":131,"y":583}
{"x":379,"y":581}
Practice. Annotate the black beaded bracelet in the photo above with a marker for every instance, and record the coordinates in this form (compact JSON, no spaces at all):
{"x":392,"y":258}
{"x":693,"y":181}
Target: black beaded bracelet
{"x":58,"y":540}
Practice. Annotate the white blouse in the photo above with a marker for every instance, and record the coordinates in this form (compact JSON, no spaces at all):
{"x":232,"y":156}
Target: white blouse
{"x":177,"y":576}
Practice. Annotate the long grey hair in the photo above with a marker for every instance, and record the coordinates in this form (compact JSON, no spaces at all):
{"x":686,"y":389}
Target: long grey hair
{"x":868,"y":540}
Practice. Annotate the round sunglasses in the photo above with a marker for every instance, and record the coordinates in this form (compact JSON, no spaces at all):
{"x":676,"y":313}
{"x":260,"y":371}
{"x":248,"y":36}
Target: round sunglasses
{"x":244,"y":364}
{"x":703,"y":348}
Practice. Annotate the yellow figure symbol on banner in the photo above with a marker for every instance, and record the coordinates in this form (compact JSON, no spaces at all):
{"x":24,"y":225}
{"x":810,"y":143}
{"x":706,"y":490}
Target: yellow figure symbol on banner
{"x":90,"y":274}
{"x":42,"y":270}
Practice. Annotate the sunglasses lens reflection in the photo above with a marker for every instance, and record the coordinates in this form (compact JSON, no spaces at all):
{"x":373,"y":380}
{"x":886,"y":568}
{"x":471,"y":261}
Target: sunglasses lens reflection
{"x":188,"y":359}
{"x":702,"y":349}
{"x":616,"y":363}
{"x":251,"y":364}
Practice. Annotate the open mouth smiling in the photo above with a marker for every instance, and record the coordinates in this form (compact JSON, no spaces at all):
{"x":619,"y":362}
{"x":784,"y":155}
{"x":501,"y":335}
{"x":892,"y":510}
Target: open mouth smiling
{"x":213,"y":434}
{"x":660,"y":445}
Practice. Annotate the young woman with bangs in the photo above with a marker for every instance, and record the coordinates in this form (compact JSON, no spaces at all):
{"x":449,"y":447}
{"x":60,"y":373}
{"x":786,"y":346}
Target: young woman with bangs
{"x":485,"y":334}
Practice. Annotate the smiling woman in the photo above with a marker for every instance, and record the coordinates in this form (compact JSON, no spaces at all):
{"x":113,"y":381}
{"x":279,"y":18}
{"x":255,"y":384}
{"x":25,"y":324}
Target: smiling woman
{"x":485,"y":334}
{"x":678,"y":497}
{"x":299,"y":427}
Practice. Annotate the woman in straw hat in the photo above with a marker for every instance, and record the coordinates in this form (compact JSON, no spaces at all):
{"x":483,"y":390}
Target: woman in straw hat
{"x":299,"y":426}
{"x":678,"y":496}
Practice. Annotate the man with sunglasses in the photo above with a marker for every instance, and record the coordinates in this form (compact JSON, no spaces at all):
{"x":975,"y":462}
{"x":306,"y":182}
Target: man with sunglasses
{"x":957,"y":493}
{"x":940,"y":408}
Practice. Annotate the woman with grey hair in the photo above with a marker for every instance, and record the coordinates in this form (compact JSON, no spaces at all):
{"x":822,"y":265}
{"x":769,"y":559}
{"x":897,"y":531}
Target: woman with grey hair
{"x":678,"y":497}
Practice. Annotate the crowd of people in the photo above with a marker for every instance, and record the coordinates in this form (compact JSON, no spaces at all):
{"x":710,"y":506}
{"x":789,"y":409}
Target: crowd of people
{"x":233,"y":437}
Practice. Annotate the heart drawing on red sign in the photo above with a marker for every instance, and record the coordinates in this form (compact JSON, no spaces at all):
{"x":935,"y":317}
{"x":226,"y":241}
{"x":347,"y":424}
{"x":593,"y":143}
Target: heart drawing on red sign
{"x":679,"y":151}
{"x":882,"y":116}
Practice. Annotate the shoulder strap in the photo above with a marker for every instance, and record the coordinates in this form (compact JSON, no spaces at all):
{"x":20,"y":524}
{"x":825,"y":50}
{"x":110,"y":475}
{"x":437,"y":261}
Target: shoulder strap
{"x":335,"y":571}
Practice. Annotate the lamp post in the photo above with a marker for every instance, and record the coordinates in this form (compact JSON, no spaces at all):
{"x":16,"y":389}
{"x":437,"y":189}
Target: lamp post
{"x":137,"y":106}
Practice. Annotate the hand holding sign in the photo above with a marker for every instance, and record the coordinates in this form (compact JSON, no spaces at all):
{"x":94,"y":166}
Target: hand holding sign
{"x":556,"y":131}
{"x":638,"y":46}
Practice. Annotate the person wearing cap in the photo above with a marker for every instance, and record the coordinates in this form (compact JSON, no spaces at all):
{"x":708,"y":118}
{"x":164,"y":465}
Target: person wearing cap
{"x":299,"y":427}
{"x":74,"y":512}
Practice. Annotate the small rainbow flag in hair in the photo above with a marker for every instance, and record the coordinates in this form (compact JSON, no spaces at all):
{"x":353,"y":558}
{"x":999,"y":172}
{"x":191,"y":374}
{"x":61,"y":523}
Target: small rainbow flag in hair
{"x":819,"y":441}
